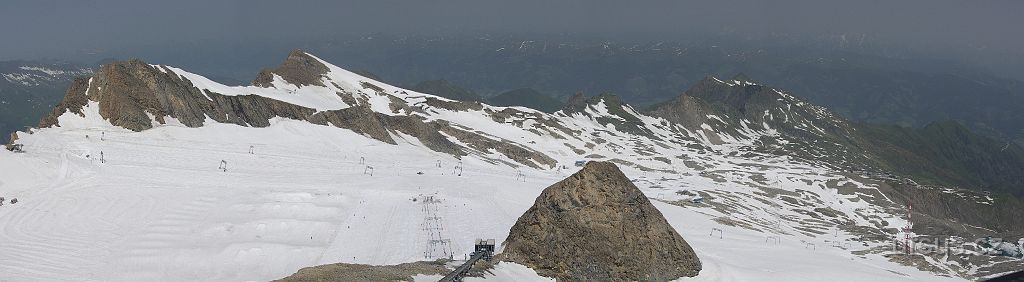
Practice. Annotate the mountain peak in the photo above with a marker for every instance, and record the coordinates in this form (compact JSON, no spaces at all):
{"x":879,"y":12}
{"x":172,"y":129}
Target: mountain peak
{"x":577,"y":100}
{"x":608,"y":98}
{"x":738,"y":80}
{"x":300,"y":68}
{"x":742,"y":78}
{"x":597,"y":225}
{"x":297,"y":53}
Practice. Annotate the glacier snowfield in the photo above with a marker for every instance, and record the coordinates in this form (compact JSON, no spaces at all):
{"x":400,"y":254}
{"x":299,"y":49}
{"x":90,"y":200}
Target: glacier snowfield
{"x":159,"y":209}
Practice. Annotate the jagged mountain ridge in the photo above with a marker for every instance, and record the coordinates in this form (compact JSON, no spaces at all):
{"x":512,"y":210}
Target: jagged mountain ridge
{"x":863,"y":86}
{"x":137,"y":96}
{"x":741,"y":109}
{"x":713,"y":113}
{"x":944,"y":153}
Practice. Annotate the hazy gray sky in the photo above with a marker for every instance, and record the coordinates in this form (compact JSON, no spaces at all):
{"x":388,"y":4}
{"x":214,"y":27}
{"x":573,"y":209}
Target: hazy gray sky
{"x":40,"y":28}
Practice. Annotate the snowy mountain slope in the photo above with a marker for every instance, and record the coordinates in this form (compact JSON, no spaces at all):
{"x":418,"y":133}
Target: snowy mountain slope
{"x":335,"y":168}
{"x":302,"y":199}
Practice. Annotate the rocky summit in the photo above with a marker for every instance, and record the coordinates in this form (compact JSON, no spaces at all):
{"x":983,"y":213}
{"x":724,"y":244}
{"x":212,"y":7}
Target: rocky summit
{"x":597,"y":226}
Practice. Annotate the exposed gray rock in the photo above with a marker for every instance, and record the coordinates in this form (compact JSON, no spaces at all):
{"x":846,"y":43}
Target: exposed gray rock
{"x":454,"y":105}
{"x":73,"y":101}
{"x":481,"y":143}
{"x":299,"y":68}
{"x":621,"y":119}
{"x":360,"y":119}
{"x":129,"y":90}
{"x":10,"y":142}
{"x":597,"y":226}
{"x":343,"y":272}
{"x":426,"y":133}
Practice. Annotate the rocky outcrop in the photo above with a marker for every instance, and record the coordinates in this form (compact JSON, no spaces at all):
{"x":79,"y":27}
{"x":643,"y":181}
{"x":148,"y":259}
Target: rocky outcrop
{"x":577,"y":102}
{"x":360,"y":119}
{"x":425,"y":133}
{"x":485,"y":144}
{"x":597,"y":226}
{"x":252,"y":110}
{"x":454,"y":105}
{"x":73,"y":102}
{"x":362,"y":272}
{"x":10,"y":142}
{"x":620,"y":115}
{"x":688,"y":111}
{"x":299,"y":68}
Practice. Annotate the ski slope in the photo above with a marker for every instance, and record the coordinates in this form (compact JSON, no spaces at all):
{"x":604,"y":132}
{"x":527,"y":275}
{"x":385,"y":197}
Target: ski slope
{"x":157,"y":207}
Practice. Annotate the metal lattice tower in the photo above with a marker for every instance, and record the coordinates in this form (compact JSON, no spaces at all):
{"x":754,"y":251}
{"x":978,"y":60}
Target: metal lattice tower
{"x":437,"y":244}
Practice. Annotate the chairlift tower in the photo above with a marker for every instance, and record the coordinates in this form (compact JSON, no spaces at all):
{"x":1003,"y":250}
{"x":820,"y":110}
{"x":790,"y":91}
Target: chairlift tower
{"x":458,"y":169}
{"x":437,"y":244}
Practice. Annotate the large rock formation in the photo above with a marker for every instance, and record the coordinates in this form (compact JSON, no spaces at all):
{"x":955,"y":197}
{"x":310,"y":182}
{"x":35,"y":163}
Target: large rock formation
{"x":299,"y":68}
{"x":597,"y":226}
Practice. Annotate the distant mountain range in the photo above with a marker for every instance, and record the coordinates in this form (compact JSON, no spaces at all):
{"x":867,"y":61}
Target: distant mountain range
{"x":524,"y":97}
{"x":863,"y":84}
{"x":527,"y":97}
{"x":941,"y":153}
{"x":29,"y":89}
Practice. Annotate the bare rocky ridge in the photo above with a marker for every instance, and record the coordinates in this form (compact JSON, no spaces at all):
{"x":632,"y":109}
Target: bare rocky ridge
{"x":129,"y":92}
{"x":360,"y":119}
{"x":742,"y":109}
{"x":134,"y":95}
{"x":74,"y":100}
{"x":597,"y":226}
{"x":299,"y":68}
